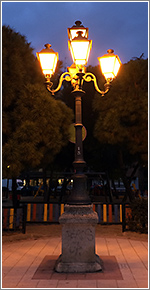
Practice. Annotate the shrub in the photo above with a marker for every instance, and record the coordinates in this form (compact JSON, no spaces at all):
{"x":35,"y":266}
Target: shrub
{"x":138,"y":219}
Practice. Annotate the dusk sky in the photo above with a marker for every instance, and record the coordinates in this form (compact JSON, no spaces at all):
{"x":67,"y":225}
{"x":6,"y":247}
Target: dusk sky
{"x":122,"y":26}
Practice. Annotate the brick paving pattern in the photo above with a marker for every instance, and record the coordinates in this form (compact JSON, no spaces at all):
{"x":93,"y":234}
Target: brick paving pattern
{"x":110,"y":270}
{"x":21,"y":262}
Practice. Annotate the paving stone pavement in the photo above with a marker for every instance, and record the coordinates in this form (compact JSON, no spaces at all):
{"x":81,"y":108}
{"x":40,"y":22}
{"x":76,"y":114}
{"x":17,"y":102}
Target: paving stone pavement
{"x":22,"y":259}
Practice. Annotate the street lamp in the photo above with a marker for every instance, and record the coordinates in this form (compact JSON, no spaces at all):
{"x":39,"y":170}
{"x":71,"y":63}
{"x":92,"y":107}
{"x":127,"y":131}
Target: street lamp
{"x":48,"y":60}
{"x":78,"y":218}
{"x":80,"y":47}
{"x":110,"y":64}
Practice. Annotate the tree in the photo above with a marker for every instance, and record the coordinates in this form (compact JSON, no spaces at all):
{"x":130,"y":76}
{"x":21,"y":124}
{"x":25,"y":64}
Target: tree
{"x":35,"y":125}
{"x":122,"y":115}
{"x":120,"y":121}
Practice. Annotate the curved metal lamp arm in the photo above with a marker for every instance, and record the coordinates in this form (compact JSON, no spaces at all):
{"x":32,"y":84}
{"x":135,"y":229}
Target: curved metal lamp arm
{"x":77,"y":82}
{"x":88,"y":77}
{"x":66,"y":76}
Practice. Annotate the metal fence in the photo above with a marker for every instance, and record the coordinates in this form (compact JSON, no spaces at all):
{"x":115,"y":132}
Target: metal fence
{"x":108,"y":213}
{"x":14,"y":220}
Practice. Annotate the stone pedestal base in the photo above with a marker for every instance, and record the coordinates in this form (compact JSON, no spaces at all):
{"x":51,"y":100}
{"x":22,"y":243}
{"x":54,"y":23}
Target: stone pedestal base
{"x":78,"y":240}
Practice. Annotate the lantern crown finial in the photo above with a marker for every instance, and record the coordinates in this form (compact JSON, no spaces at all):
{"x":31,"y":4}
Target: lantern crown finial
{"x":78,"y":24}
{"x":47,"y":45}
{"x":79,"y":36}
{"x":110,"y":50}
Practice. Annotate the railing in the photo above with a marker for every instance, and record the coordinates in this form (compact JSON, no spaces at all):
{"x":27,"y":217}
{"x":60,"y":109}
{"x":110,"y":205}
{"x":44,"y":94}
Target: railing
{"x":49,"y":213}
{"x":12,"y":220}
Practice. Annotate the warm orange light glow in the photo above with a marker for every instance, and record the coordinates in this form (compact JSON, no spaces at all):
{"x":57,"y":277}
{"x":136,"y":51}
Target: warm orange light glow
{"x":80,"y":49}
{"x":73,"y":70}
{"x":72,"y":32}
{"x":48,"y":60}
{"x":48,"y":63}
{"x":80,"y":52}
{"x":110,"y":64}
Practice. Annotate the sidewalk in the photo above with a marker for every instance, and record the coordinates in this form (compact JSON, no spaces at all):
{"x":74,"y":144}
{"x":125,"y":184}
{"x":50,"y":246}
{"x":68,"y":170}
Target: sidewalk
{"x":29,"y":264}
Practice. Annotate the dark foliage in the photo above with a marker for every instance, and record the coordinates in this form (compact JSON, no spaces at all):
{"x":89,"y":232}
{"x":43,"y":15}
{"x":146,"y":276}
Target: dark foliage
{"x":138,"y":219}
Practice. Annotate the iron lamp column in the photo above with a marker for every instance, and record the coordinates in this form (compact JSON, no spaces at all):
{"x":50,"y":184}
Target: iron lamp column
{"x":79,"y":193}
{"x":78,"y":220}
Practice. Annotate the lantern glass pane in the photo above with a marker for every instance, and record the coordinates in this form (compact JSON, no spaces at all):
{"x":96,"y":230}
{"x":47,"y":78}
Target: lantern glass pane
{"x":48,"y":62}
{"x":80,"y":52}
{"x":73,"y":32}
{"x":116,"y":67}
{"x":72,"y":71}
{"x":107,"y":66}
{"x":110,"y":66}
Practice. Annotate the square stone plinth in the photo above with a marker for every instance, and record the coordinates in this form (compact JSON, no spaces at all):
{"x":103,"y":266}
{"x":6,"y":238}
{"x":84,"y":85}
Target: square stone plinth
{"x":78,"y":240}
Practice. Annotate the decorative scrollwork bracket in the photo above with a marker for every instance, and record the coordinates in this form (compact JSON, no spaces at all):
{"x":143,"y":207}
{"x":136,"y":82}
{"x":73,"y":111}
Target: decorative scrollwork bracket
{"x":77,"y":82}
{"x":88,"y":77}
{"x":66,"y":76}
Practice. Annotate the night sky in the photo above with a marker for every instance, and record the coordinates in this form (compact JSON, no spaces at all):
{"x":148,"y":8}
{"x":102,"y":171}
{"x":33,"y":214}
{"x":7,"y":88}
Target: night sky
{"x":122,"y":26}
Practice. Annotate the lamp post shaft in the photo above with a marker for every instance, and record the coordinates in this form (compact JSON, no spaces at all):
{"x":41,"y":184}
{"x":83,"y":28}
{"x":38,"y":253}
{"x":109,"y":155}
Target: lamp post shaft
{"x":79,"y":193}
{"x":78,"y":129}
{"x":78,"y":220}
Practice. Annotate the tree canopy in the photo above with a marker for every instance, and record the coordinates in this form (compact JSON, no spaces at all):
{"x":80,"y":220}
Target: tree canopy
{"x":122,"y":121}
{"x":117,"y":120}
{"x":123,"y":112}
{"x":117,"y":124}
{"x":35,"y":125}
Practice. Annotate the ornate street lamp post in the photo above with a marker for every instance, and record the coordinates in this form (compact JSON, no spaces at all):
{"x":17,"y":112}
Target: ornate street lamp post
{"x":78,"y":254}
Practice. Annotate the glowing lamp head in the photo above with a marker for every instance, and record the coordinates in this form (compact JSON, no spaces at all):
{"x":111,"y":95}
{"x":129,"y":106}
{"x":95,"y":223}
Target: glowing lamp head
{"x":72,"y":32}
{"x":110,"y":64}
{"x":80,"y":49}
{"x":73,"y":70}
{"x":48,"y":59}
